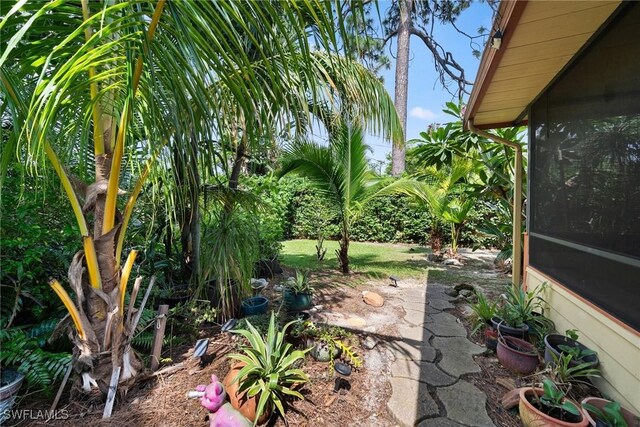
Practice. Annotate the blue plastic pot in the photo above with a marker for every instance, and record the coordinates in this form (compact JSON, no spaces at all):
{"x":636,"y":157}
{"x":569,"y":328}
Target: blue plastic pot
{"x":255,"y":305}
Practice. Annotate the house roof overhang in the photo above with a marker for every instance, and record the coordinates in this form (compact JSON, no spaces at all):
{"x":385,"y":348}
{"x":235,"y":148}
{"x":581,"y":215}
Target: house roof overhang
{"x":539,"y":40}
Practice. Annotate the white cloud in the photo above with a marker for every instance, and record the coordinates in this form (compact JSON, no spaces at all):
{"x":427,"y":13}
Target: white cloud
{"x":422,"y":113}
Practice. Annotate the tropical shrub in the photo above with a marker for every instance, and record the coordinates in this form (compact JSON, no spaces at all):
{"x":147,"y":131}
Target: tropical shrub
{"x":269,"y":369}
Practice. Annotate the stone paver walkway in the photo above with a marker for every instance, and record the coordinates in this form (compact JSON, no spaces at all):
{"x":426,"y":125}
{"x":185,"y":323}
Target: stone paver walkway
{"x":433,"y":352}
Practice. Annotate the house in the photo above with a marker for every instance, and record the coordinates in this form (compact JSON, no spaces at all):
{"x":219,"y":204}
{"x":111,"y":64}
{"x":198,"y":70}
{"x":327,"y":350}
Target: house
{"x":571,"y":72}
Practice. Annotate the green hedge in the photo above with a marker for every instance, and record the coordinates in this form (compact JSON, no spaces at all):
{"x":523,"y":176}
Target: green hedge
{"x":295,"y":210}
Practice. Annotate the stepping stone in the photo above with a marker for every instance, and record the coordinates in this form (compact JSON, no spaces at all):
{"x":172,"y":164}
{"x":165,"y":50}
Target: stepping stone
{"x":414,"y":333}
{"x":465,"y":404}
{"x":445,"y":325}
{"x":419,"y":306}
{"x":425,"y":372}
{"x":439,"y":422}
{"x":411,"y":350}
{"x":410,"y":401}
{"x":456,"y":355}
{"x":415,"y":317}
{"x":440,"y":304}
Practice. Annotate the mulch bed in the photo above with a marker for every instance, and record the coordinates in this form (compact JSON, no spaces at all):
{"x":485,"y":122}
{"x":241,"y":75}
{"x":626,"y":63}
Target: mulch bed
{"x":161,"y":401}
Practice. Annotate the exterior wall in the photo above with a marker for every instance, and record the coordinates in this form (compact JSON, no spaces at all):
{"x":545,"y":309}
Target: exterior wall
{"x":618,"y":345}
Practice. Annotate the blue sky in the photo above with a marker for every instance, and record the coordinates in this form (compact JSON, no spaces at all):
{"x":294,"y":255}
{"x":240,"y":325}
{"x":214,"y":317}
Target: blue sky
{"x":426,"y":94}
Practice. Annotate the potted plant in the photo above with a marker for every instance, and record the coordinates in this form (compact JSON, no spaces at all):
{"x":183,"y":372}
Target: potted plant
{"x":520,"y":312}
{"x":556,"y":344}
{"x":483,"y":312}
{"x":605,"y":413}
{"x":517,"y":355}
{"x":10,"y":383}
{"x":266,"y":373}
{"x":548,"y":407}
{"x":255,"y":305}
{"x":298,"y":291}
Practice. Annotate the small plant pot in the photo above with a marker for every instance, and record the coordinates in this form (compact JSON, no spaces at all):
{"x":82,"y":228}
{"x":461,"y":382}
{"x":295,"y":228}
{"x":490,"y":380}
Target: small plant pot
{"x":533,"y":417}
{"x":255,"y":305}
{"x":11,"y":382}
{"x":506,"y":330}
{"x":552,"y":341}
{"x":631,"y":419}
{"x":244,"y":404}
{"x":517,"y":355}
{"x":296,"y":302}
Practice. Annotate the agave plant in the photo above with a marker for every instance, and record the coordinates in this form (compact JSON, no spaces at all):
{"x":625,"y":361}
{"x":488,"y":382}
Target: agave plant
{"x":269,"y":370}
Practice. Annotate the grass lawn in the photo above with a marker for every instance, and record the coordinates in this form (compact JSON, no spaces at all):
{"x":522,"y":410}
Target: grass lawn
{"x":379,"y":260}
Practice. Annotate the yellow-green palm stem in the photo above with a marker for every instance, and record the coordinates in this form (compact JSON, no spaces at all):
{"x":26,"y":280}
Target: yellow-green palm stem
{"x":68,"y":303}
{"x":98,"y":136}
{"x":114,"y":174}
{"x":92,"y":262}
{"x":124,"y":279}
{"x":128,"y":209}
{"x":66,"y":184}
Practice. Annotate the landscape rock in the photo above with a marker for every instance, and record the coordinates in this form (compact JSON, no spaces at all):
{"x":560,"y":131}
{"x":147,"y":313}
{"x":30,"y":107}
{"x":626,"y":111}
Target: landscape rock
{"x":464,"y":286}
{"x":466,"y":293}
{"x":439,"y":422}
{"x":451,"y":292}
{"x":370,"y":342}
{"x":452,"y":261}
{"x":466,"y":310}
{"x":373,"y":299}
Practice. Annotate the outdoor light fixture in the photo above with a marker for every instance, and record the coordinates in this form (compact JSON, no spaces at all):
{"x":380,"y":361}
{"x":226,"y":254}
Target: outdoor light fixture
{"x":496,"y":40}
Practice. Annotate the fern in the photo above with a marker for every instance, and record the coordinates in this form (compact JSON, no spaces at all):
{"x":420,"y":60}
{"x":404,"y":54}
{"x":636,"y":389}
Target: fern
{"x":24,"y":351}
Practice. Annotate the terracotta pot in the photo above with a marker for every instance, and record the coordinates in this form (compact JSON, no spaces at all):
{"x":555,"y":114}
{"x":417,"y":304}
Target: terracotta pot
{"x":517,"y":355}
{"x":532,"y":417}
{"x":631,"y":419}
{"x":245,"y":405}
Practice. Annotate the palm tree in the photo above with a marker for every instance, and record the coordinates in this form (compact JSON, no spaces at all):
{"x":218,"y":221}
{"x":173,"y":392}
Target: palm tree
{"x":102,"y":93}
{"x":443,"y":192}
{"x":340,"y":171}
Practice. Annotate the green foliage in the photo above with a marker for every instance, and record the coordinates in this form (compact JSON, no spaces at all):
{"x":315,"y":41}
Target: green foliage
{"x":576,"y":352}
{"x":231,"y":259}
{"x":553,"y":397}
{"x":334,"y":337}
{"x":260,"y":322}
{"x":610,"y":414}
{"x":269,"y":370}
{"x":483,"y":311}
{"x":299,"y":284}
{"x":25,"y":349}
{"x":564,"y":373}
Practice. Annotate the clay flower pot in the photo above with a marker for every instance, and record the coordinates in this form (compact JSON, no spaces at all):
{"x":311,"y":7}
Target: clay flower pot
{"x":631,"y":419}
{"x":533,"y":417}
{"x":239,"y":400}
{"x":517,"y":355}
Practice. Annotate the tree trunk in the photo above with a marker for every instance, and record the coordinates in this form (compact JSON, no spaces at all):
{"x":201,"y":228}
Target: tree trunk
{"x":343,"y":253}
{"x":401,"y":83}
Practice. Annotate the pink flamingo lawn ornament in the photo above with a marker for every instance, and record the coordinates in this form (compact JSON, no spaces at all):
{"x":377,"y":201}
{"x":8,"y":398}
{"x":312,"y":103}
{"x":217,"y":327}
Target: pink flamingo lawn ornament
{"x":213,"y":397}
